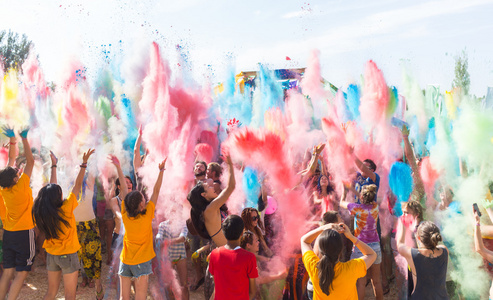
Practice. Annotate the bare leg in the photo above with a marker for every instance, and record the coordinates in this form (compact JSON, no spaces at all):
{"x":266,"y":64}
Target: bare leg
{"x":376,"y":280}
{"x":181,"y":268}
{"x":141,"y":286}
{"x":16,"y":286}
{"x":125,"y":284}
{"x":7,"y":276}
{"x":70,"y":284}
{"x":54,"y":278}
{"x":361,"y":286}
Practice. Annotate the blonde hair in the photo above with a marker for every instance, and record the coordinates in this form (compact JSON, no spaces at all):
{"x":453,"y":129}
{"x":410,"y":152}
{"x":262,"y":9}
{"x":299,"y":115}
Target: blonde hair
{"x":368,"y":193}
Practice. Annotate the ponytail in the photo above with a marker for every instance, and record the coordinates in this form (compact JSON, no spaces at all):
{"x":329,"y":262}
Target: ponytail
{"x":330,"y":244}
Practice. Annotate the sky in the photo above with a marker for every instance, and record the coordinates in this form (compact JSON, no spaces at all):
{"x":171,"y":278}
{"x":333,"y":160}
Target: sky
{"x":424,"y":37}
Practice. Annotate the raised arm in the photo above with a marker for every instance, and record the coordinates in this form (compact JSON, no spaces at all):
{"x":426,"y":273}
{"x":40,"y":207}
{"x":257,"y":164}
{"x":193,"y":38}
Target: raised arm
{"x":402,"y":248}
{"x":364,"y":169}
{"x":28,"y":169}
{"x":308,"y":238}
{"x":369,"y":255}
{"x":347,"y":188}
{"x":478,"y":240}
{"x":224,"y":195}
{"x":123,"y":183}
{"x":54,"y":161}
{"x":9,"y":132}
{"x":138,"y":142}
{"x":159,"y":181}
{"x":80,"y":177}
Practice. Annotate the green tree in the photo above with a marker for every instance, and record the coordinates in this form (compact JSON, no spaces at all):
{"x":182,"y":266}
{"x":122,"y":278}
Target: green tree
{"x":461,"y":74}
{"x":13,"y":49}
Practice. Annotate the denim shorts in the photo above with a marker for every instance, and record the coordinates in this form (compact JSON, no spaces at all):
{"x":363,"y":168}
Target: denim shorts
{"x":375,"y":246}
{"x":135,"y":271}
{"x":67,"y":263}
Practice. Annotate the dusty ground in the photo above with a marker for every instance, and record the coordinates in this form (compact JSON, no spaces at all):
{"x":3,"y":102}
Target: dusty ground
{"x":36,"y":285}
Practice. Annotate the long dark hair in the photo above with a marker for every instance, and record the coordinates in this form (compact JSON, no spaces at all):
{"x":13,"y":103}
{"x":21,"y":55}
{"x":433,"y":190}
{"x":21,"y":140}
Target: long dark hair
{"x":246,"y":215}
{"x":132,"y":202}
{"x":330,"y":245}
{"x":330,"y":186}
{"x":199,"y":204}
{"x":47,"y":211}
{"x":117,"y":183}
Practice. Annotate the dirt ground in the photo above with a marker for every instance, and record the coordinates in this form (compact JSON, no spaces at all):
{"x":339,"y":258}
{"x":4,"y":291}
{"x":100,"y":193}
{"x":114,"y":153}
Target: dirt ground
{"x":36,"y":286}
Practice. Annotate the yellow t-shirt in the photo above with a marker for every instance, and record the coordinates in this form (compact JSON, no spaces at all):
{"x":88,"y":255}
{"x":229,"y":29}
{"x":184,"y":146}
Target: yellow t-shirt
{"x":18,"y":201}
{"x":138,"y":239}
{"x":344,"y":283}
{"x":67,"y":242}
{"x":3,"y":210}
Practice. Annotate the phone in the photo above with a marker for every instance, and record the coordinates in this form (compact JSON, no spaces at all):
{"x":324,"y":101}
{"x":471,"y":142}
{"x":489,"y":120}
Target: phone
{"x":476,"y":209}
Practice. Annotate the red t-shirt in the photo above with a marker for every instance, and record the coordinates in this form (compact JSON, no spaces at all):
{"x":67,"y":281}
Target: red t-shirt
{"x":232,"y":270}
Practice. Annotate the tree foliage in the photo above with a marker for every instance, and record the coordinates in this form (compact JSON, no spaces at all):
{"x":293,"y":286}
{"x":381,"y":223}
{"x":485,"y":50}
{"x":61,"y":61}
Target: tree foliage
{"x":461,"y":73}
{"x":14,"y":49}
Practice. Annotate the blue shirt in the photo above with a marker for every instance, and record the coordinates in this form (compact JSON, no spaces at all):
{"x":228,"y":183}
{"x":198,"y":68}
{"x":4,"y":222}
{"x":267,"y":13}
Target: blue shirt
{"x":362,"y":181}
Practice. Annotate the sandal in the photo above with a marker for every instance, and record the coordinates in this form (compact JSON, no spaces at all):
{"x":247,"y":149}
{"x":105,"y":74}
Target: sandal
{"x":100,"y":294}
{"x":91,"y":284}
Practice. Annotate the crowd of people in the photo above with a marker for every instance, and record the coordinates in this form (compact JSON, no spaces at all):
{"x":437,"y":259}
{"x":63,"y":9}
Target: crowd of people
{"x":235,"y":256}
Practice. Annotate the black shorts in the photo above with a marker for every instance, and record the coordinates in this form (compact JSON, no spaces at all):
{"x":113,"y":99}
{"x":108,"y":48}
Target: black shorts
{"x":18,"y":249}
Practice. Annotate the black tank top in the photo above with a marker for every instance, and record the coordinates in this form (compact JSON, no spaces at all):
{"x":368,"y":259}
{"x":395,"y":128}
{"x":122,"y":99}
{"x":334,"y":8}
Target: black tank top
{"x":431,"y":274}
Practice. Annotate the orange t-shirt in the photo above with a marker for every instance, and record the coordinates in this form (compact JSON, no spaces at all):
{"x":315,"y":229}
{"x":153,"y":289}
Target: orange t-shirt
{"x":18,"y":201}
{"x":138,"y":240}
{"x":67,"y":242}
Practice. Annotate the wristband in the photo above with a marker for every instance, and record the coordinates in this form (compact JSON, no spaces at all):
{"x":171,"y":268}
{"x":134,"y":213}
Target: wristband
{"x":478,"y":224}
{"x":83,"y":165}
{"x":162,"y":169}
{"x":12,"y":143}
{"x":53,"y":166}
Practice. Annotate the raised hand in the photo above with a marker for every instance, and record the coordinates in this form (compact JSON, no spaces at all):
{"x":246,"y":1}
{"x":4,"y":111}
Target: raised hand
{"x":86,"y":155}
{"x":54,"y":159}
{"x":114,"y":160}
{"x":8,"y":131}
{"x":405,"y":130}
{"x":162,"y":165}
{"x":24,"y":131}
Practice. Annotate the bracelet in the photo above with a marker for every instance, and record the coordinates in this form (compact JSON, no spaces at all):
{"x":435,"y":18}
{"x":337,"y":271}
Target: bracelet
{"x":356,"y":243}
{"x":83,"y":165}
{"x":478,"y":224}
{"x":161,"y":170}
{"x":53,"y":166}
{"x":12,"y":143}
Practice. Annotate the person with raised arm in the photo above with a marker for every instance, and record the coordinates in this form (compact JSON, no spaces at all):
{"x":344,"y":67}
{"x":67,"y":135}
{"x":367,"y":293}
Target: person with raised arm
{"x":428,"y":262}
{"x":331,"y":278}
{"x":18,"y":225}
{"x":206,"y":204}
{"x":55,"y":218}
{"x":365,"y":229}
{"x":138,"y":250}
{"x":123,"y":184}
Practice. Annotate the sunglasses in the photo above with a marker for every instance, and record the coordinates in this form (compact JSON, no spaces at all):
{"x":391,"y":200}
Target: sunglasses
{"x":255,"y":218}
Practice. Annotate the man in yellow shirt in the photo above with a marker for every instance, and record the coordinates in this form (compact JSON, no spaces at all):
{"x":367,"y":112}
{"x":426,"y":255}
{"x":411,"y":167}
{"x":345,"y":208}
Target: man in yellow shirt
{"x":18,"y":237}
